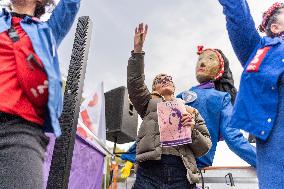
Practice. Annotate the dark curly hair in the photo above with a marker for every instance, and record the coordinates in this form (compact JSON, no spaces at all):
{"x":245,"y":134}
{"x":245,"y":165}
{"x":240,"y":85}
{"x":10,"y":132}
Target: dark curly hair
{"x":271,"y":20}
{"x":41,"y":7}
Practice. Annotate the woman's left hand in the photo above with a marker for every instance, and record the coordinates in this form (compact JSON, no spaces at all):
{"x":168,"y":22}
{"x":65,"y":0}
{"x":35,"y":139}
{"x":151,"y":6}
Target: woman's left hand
{"x":187,"y":120}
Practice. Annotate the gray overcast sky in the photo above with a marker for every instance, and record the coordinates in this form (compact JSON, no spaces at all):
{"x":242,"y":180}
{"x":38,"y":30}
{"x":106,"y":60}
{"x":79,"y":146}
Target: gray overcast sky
{"x":176,"y":27}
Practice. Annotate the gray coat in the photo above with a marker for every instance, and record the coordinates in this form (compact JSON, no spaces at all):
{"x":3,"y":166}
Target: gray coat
{"x":148,"y":140}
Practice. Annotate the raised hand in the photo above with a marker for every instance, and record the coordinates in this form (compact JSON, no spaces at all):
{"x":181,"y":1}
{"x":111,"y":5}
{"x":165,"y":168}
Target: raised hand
{"x":139,"y":38}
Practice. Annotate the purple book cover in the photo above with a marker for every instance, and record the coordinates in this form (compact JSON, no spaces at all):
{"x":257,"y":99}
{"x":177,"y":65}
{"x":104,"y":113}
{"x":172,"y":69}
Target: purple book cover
{"x":172,"y":133}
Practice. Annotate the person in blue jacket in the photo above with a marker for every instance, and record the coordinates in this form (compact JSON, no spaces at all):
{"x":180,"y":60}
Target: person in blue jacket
{"x":213,"y":98}
{"x":259,"y":107}
{"x":25,"y":40}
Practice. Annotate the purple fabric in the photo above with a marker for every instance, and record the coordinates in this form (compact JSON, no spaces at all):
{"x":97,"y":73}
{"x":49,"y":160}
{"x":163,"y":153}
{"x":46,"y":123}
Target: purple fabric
{"x":206,"y":85}
{"x":87,"y":165}
{"x":282,"y":35}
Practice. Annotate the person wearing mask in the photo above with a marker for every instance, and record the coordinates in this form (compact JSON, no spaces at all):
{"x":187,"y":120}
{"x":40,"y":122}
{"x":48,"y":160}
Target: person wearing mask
{"x":213,"y":98}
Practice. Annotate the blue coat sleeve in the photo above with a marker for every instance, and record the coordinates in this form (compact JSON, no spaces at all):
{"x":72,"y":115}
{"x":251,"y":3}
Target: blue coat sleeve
{"x":241,"y":28}
{"x":233,"y":137}
{"x":62,"y":18}
{"x":131,"y":154}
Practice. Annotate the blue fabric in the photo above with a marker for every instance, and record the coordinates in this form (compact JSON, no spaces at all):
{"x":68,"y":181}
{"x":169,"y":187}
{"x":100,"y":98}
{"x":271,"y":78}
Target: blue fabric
{"x":215,"y":107}
{"x":45,"y":37}
{"x":168,"y":173}
{"x":131,"y":154}
{"x":255,"y":108}
{"x":270,"y":153}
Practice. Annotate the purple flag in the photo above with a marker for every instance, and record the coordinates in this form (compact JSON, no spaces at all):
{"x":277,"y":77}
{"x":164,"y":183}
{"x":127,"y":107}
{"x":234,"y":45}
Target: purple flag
{"x":87,"y":165}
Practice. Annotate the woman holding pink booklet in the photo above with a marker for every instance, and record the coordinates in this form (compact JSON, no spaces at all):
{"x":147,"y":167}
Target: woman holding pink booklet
{"x":158,"y":166}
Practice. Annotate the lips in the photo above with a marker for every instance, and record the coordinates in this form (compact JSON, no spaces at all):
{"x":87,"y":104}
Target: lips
{"x":201,"y":70}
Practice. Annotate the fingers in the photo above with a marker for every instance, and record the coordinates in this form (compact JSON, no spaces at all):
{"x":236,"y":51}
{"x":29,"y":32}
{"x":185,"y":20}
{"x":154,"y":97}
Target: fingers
{"x":187,"y":121}
{"x":189,"y":124}
{"x":141,"y":29}
{"x":146,"y":29}
{"x":140,"y":36}
{"x":185,"y":116}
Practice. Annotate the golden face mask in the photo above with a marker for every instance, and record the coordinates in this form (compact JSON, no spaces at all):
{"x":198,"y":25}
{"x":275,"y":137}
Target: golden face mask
{"x":210,"y":65}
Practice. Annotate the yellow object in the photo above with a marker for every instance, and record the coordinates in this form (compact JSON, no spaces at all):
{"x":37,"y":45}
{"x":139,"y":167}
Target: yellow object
{"x":125,"y":171}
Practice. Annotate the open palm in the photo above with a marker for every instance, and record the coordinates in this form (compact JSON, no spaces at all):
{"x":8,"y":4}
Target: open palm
{"x":139,"y":38}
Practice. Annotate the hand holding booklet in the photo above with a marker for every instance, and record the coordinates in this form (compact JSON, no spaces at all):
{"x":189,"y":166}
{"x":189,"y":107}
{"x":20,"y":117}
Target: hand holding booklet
{"x":172,"y":132}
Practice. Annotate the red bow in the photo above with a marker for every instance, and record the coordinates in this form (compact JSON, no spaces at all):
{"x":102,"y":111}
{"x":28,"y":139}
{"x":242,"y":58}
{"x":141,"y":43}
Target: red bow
{"x":200,"y":50}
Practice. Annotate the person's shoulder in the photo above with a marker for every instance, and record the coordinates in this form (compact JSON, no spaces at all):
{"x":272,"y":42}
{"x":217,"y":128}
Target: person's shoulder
{"x":224,"y":96}
{"x":218,"y":97}
{"x":212,"y":92}
{"x":270,"y":41}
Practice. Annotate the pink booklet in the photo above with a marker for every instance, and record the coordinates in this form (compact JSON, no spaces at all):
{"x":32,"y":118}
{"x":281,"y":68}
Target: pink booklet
{"x":172,"y":133}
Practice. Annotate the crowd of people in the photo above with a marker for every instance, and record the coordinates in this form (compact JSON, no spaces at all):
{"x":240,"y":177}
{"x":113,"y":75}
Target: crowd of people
{"x":31,"y":99}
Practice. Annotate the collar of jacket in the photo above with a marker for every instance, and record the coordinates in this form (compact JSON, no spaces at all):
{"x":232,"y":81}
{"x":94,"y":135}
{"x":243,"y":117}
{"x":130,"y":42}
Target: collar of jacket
{"x":27,"y":19}
{"x":268,"y":41}
{"x":206,"y":85}
{"x":158,"y":95}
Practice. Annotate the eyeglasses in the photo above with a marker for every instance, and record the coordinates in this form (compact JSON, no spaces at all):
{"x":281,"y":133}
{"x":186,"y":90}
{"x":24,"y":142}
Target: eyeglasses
{"x":163,"y":80}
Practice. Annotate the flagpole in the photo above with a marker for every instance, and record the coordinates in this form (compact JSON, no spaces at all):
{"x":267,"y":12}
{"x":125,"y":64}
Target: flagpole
{"x":101,"y":144}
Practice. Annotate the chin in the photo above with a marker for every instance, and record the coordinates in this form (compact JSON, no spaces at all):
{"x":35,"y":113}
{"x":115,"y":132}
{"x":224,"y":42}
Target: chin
{"x":167,"y":91}
{"x":202,"y":78}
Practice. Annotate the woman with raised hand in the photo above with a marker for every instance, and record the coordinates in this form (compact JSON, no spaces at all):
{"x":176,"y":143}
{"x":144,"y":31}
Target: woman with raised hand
{"x":30,"y":86}
{"x":259,"y":106}
{"x":162,"y":167}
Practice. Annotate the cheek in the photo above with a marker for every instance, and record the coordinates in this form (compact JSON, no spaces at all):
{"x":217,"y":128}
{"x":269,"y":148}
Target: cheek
{"x":197,"y":66}
{"x":213,"y":68}
{"x":158,"y":87}
{"x":282,"y":24}
{"x":173,"y":88}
